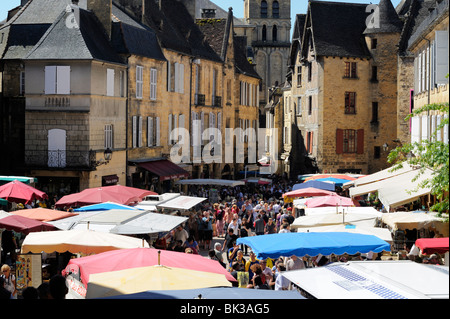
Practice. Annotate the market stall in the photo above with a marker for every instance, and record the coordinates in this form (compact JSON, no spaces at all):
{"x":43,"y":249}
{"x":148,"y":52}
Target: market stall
{"x":81,"y":269}
{"x":373,"y":280}
{"x":313,"y":244}
{"x":158,"y":277}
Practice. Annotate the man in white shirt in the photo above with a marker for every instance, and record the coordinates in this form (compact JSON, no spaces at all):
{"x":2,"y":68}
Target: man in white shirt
{"x":281,"y":283}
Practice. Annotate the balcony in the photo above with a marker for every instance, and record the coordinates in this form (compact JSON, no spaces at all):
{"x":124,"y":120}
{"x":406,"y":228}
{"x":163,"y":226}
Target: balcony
{"x":200,"y":99}
{"x":217,"y":101}
{"x":78,"y":160}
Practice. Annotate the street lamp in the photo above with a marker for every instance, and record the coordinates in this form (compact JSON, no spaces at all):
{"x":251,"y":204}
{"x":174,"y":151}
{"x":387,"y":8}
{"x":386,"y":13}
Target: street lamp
{"x":107,"y":156}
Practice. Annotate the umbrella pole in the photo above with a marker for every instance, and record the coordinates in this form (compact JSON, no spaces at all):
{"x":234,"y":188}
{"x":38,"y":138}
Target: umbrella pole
{"x":159,"y":257}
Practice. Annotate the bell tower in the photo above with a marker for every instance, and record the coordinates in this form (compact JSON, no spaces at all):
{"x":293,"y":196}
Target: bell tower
{"x":270,"y":40}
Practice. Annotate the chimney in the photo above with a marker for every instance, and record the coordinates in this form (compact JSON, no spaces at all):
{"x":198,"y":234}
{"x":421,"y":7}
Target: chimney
{"x":102,"y":9}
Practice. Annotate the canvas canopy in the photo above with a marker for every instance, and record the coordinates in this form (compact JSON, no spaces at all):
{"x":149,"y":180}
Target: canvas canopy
{"x":382,"y":233}
{"x":404,"y":190}
{"x":78,"y":241}
{"x":215,"y":293}
{"x":123,"y":222}
{"x":373,"y":280}
{"x":379,"y":176}
{"x":181,"y":203}
{"x":313,"y":244}
{"x":432,"y":245}
{"x":149,"y":223}
{"x":400,"y":183}
{"x":217,"y":182}
{"x":411,"y":220}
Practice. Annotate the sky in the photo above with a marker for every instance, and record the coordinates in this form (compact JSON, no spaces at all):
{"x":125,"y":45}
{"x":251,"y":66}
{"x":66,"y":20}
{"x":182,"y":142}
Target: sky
{"x":298,"y":6}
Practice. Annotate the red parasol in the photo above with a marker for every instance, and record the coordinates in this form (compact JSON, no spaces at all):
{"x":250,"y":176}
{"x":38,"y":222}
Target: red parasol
{"x":339,"y":176}
{"x":330,"y":200}
{"x":24,"y":225}
{"x":141,"y":257}
{"x":430,"y":246}
{"x":307,"y":192}
{"x":117,"y":194}
{"x":19,"y":192}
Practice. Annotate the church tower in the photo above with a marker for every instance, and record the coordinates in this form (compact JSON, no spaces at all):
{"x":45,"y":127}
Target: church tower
{"x":270,"y":40}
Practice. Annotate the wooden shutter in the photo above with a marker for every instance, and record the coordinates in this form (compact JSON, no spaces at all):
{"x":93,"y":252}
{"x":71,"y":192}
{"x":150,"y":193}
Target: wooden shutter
{"x":110,"y":82}
{"x":158,"y":132}
{"x":441,"y":60}
{"x":63,"y":80}
{"x":360,"y":142}
{"x":134,"y":128}
{"x":153,"y":83}
{"x":140,"y":132}
{"x":50,"y":79}
{"x":170,"y":129}
{"x":339,"y":141}
{"x":150,"y":135}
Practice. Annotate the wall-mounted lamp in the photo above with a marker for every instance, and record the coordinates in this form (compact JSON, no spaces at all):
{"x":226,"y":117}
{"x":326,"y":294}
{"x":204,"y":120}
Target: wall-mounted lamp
{"x":385,"y":147}
{"x":107,"y":156}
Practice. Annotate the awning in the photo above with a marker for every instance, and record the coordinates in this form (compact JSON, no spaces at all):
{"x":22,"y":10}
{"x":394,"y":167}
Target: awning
{"x":182,"y":202}
{"x":217,"y":182}
{"x":379,"y":176}
{"x":165,"y":169}
{"x":394,"y":180}
{"x":402,"y":279}
{"x":403,"y":190}
{"x":150,"y":223}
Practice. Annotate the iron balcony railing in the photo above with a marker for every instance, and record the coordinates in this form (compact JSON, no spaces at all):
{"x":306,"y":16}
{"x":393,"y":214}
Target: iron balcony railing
{"x":60,"y":159}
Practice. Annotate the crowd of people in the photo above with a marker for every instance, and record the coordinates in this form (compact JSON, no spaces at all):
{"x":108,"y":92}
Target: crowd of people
{"x":240,"y":212}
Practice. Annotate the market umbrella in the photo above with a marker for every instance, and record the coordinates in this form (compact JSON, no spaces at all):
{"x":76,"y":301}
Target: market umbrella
{"x":140,"y":257}
{"x":122,"y":195}
{"x":19,"y":192}
{"x":382,"y":233}
{"x":313,"y":244}
{"x":156,"y":277}
{"x":214,"y":293}
{"x":75,"y":241}
{"x":330,"y":200}
{"x":317,"y":220}
{"x":339,"y":176}
{"x":432,"y":245}
{"x":316,"y":184}
{"x":24,"y":225}
{"x":334,"y":180}
{"x":43,"y":214}
{"x":307,"y":192}
{"x":104,"y":206}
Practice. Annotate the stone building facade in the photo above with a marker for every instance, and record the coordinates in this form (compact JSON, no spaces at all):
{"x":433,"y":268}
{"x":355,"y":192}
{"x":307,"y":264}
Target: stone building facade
{"x":342,"y":101}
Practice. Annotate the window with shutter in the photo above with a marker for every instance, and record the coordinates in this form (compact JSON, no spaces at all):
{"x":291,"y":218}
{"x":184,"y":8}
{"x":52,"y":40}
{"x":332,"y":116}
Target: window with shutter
{"x":350,"y":103}
{"x":57,"y":79}
{"x":109,"y":136}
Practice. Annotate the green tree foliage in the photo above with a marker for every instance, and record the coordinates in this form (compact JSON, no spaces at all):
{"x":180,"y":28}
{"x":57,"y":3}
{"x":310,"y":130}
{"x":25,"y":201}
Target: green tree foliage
{"x":430,"y":154}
